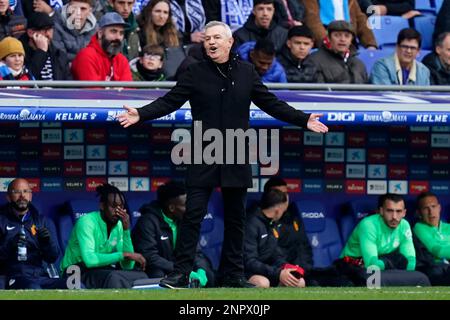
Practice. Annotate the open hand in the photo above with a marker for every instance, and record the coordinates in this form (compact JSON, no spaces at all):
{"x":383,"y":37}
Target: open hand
{"x":128,"y":118}
{"x":315,"y":125}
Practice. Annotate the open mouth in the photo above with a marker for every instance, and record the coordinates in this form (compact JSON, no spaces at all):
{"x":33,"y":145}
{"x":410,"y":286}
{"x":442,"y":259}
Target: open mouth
{"x":213,"y":49}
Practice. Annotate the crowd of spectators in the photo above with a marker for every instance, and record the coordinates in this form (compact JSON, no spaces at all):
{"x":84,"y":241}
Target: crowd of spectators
{"x":316,"y":41}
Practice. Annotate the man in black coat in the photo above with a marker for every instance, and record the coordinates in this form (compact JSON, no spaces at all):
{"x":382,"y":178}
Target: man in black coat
{"x":294,"y":53}
{"x":44,"y":60}
{"x":220,"y":91}
{"x":439,"y":61}
{"x":156,"y":233}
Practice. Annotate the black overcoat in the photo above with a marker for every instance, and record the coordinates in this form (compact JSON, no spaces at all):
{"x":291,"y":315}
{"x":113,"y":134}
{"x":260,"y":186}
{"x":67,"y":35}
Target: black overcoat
{"x":221,"y":101}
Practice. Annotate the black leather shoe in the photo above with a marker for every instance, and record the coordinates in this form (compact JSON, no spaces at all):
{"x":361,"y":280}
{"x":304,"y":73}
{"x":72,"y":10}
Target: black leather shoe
{"x":236,"y":282}
{"x":175,"y":280}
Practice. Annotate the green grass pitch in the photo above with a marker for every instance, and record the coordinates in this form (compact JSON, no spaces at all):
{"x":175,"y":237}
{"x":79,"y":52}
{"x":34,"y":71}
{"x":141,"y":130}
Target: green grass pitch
{"x":398,"y":293}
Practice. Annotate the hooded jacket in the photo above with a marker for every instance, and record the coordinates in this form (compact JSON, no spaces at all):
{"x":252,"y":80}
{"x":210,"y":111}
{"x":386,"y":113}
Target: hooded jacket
{"x":69,"y":40}
{"x":153,"y":238}
{"x":251,"y":32}
{"x":92,"y":63}
{"x":131,"y":41}
{"x":274,"y":74}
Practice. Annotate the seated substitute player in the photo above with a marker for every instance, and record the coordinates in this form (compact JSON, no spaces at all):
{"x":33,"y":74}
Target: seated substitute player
{"x":156,"y":232}
{"x":264,"y":261}
{"x":383,"y":240}
{"x":100,"y":244}
{"x":432,"y":240}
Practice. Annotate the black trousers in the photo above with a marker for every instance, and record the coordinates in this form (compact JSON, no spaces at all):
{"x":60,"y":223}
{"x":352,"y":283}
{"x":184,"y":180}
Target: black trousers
{"x":231,"y":261}
{"x":98,"y":278}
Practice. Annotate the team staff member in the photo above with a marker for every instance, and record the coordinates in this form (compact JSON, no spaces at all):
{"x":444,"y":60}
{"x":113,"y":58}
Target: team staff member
{"x":220,"y":90}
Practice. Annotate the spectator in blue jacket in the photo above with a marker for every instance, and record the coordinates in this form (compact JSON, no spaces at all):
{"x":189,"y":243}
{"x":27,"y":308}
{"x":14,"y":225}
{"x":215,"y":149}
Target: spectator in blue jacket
{"x":402,"y":68}
{"x":40,"y":241}
{"x":262,"y":54}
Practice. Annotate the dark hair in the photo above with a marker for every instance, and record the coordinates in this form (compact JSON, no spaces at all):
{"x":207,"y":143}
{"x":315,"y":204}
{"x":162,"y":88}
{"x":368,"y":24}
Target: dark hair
{"x":300,"y":31}
{"x":169,"y":191}
{"x":167,"y":35}
{"x":272,"y":198}
{"x":409,"y":34}
{"x":389,"y":196}
{"x":265,"y":46}
{"x":155,"y":49}
{"x":104,"y":190}
{"x":256,"y":2}
{"x":424,"y":195}
{"x":274,"y":182}
{"x":440,"y":38}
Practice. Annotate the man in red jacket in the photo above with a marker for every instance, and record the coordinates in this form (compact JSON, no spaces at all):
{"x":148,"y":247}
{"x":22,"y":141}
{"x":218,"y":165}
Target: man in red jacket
{"x":101,"y":60}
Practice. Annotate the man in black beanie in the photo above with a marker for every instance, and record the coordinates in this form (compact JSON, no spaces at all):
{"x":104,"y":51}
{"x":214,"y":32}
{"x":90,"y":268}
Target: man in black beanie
{"x":45,"y":61}
{"x":294,"y":53}
{"x":155,"y":235}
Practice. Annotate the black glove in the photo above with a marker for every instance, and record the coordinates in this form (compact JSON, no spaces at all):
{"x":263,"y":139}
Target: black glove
{"x":43,"y":235}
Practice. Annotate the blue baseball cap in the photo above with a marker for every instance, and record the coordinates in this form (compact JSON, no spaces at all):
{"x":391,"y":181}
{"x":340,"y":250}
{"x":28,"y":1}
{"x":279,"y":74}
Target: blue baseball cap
{"x":112,"y":19}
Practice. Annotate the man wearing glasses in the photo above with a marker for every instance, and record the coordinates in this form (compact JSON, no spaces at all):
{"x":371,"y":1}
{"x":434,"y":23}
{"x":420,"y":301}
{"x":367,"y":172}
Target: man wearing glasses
{"x":402,"y":68}
{"x":149,"y":65}
{"x":25,"y":270}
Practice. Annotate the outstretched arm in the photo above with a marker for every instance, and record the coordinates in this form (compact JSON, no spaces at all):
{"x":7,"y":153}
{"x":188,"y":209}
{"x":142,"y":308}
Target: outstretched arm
{"x":170,"y":102}
{"x":278,"y":109}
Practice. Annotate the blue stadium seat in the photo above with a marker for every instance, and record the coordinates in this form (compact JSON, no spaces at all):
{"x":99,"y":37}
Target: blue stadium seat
{"x":358,"y":209}
{"x":369,"y":57}
{"x":422,"y":54}
{"x":425,"y":6}
{"x":425,"y":25}
{"x":438,"y":4}
{"x":211,"y":233}
{"x":172,"y":60}
{"x":386,"y":29}
{"x":322,"y":232}
{"x":74,"y":210}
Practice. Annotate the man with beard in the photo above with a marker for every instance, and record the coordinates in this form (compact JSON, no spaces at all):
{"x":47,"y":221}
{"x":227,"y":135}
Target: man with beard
{"x":102,"y":59}
{"x":220,"y":90}
{"x":41,"y":245}
{"x":384,"y":243}
{"x":100,"y":244}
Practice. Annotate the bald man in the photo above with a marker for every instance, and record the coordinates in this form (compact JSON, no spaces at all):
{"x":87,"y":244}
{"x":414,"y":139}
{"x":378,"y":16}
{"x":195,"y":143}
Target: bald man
{"x":41,"y":245}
